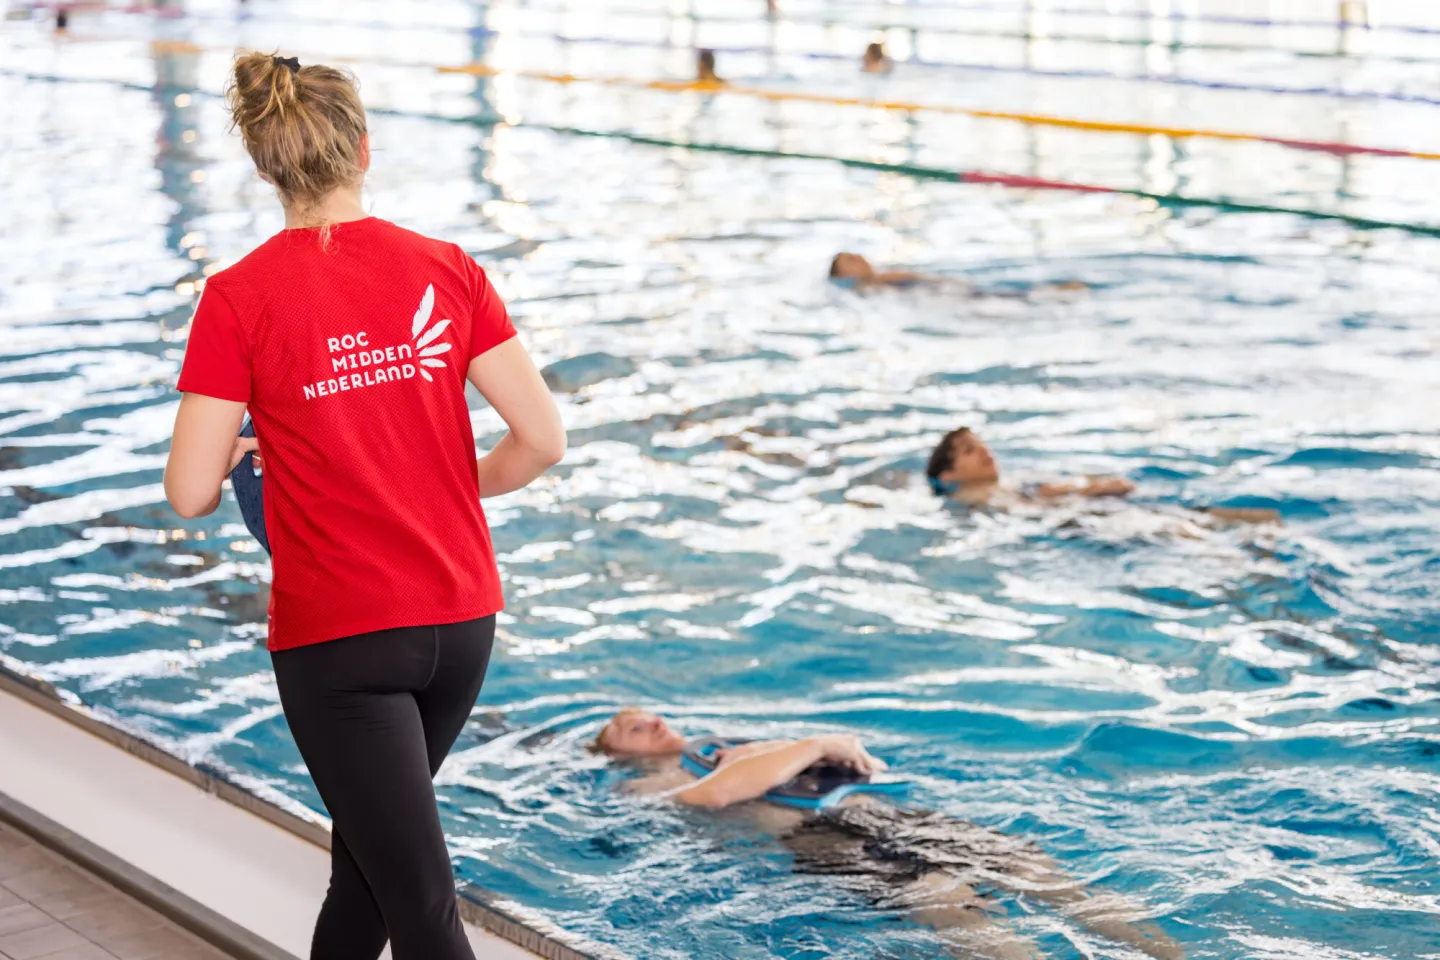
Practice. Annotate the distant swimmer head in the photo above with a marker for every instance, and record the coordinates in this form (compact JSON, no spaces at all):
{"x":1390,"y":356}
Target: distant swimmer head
{"x":959,"y":458}
{"x":304,"y":126}
{"x":875,"y":60}
{"x":851,"y":266}
{"x":638,"y":733}
{"x":705,"y":67}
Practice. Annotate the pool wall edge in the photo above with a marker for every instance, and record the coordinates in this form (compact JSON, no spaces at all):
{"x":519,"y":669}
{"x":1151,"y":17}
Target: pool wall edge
{"x":478,"y":906}
{"x":214,"y":929}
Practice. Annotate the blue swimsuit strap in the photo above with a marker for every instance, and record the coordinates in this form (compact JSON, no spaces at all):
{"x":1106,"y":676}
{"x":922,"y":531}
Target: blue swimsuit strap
{"x":943,"y":488}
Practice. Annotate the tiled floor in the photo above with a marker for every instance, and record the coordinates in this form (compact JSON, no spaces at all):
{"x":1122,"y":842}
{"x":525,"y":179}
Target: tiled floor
{"x":53,"y":910}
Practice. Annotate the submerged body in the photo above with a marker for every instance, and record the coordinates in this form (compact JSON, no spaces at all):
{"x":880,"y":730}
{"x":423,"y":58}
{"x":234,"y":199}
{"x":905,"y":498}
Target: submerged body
{"x":935,"y":867}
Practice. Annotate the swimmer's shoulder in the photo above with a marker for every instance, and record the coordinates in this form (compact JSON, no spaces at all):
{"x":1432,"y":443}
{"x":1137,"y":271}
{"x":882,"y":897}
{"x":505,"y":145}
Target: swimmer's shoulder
{"x":672,"y":776}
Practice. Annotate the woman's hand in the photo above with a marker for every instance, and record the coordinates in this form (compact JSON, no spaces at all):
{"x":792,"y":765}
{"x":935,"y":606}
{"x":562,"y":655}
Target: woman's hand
{"x":244,"y":445}
{"x":845,"y":749}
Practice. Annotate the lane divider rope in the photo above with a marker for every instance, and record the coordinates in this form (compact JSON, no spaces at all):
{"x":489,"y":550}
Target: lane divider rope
{"x":918,"y":171}
{"x":1195,"y":82}
{"x":1135,"y":16}
{"x":906,"y":106}
{"x":1172,"y":44}
{"x":1034,"y":119}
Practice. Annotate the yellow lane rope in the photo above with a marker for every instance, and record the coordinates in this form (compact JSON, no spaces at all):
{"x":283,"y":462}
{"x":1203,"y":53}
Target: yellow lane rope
{"x":1034,"y":119}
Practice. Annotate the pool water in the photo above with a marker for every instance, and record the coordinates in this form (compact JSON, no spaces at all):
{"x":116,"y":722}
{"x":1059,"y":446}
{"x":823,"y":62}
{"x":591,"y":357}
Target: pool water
{"x":1236,"y":728}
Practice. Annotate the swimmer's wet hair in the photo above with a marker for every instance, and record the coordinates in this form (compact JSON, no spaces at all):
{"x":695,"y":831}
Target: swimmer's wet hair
{"x":598,"y":745}
{"x":303,"y":126}
{"x":705,"y":62}
{"x":944,"y":453}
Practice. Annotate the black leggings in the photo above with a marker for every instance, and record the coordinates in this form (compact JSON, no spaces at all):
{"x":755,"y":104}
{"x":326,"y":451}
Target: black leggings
{"x":374,"y":716}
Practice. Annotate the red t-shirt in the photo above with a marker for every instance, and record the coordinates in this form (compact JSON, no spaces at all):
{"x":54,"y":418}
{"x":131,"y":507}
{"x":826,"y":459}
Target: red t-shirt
{"x":352,"y":357}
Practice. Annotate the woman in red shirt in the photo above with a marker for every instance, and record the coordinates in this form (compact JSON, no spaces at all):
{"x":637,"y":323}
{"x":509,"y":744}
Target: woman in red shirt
{"x":350,"y":341}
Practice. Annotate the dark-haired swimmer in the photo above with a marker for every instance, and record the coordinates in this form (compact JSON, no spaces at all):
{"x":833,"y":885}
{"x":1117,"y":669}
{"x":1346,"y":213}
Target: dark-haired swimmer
{"x":931,"y":865}
{"x":705,"y":68}
{"x":961,"y":466}
{"x":874,"y":60}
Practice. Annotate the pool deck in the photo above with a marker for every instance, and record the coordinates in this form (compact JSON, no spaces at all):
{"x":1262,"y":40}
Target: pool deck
{"x":94,"y":816}
{"x":51,"y":909}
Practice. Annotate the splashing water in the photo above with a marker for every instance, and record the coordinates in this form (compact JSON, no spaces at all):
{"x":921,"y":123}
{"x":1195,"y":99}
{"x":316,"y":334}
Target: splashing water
{"x":1236,"y":728}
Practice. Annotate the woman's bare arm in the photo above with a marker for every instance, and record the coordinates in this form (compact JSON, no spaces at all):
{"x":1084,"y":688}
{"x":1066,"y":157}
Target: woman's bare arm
{"x":204,"y":449}
{"x":507,"y":378}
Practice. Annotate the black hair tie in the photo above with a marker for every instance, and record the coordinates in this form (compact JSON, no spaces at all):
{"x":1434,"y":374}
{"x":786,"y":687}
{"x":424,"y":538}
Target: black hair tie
{"x":293,"y":63}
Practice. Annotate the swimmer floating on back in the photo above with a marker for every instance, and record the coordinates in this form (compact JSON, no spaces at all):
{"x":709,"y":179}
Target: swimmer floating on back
{"x":928,"y":863}
{"x":961,"y":466}
{"x":853,"y":270}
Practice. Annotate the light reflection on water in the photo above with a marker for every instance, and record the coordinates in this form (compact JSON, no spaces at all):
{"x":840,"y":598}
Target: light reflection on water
{"x":1236,"y":728}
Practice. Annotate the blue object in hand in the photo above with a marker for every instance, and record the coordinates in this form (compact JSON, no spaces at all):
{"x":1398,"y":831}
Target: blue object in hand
{"x":248,"y":492}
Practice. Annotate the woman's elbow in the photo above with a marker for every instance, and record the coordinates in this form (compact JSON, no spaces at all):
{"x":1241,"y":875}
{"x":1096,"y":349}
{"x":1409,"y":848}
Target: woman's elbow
{"x":189,"y":509}
{"x":187,"y":503}
{"x":550,"y":450}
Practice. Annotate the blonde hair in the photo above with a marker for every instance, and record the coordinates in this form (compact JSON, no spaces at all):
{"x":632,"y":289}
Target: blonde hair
{"x":598,"y":745}
{"x":303,"y":126}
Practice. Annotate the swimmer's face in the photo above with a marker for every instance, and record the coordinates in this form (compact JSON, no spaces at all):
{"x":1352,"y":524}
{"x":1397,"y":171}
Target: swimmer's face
{"x":640,"y":733}
{"x":971,"y":461}
{"x":851,"y":266}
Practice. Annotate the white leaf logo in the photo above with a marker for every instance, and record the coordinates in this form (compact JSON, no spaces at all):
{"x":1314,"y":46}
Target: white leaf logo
{"x":425,"y":348}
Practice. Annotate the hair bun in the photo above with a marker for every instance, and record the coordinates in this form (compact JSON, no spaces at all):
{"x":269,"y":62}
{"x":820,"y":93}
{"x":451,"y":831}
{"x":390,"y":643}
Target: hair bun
{"x":263,"y":85}
{"x":303,"y":126}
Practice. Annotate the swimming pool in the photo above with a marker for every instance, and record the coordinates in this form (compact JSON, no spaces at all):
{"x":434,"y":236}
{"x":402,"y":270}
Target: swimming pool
{"x":1237,"y":730}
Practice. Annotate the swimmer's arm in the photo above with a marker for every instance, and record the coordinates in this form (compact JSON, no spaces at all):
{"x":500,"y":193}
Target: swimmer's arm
{"x":204,"y":449}
{"x":1245,"y":514}
{"x":890,"y":277}
{"x":750,"y":777}
{"x":506,"y":377}
{"x":1089,"y":487}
